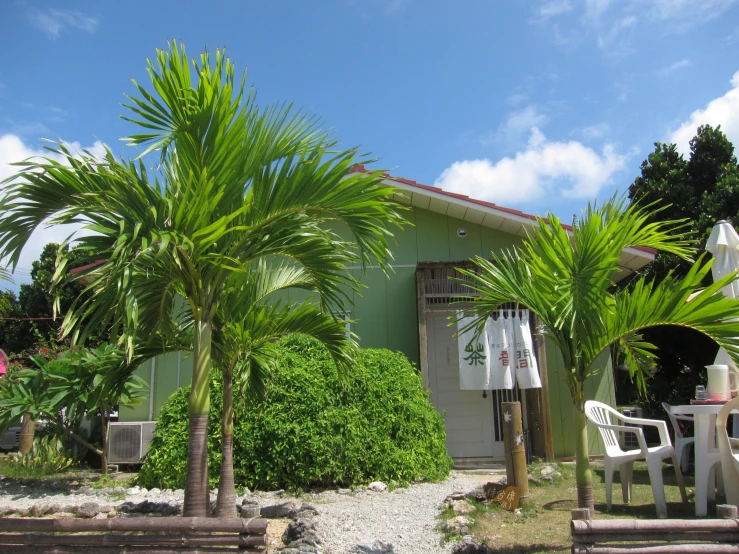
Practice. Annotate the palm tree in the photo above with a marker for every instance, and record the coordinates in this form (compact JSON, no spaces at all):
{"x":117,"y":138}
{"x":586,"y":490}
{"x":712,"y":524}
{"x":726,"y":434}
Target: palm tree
{"x":567,"y":279}
{"x":244,"y":338}
{"x":234,"y":183}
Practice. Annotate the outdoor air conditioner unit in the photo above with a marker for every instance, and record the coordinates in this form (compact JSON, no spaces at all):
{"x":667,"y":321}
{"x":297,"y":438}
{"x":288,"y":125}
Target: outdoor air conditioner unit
{"x":628,"y":440}
{"x":129,"y":442}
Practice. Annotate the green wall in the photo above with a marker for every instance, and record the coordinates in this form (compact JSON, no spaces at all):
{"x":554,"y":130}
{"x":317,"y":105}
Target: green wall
{"x":383,"y":315}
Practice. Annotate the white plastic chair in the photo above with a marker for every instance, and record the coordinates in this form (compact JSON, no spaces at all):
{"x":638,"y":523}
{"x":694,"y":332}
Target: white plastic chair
{"x":729,"y":449}
{"x":601,"y":415}
{"x":682,"y":443}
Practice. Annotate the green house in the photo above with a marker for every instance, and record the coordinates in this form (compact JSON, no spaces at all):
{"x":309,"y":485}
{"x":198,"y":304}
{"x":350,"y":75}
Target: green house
{"x":407,"y":310}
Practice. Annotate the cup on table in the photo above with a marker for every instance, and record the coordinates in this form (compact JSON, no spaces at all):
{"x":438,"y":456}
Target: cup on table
{"x":701,"y":393}
{"x":718,"y":382}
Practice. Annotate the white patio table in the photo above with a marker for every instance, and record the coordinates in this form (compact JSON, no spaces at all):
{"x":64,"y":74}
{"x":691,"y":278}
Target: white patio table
{"x":706,"y":452}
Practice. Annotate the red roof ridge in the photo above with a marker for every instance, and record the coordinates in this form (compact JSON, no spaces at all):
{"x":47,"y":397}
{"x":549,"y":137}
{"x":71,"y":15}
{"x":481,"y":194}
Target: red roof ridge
{"x":362,"y":169}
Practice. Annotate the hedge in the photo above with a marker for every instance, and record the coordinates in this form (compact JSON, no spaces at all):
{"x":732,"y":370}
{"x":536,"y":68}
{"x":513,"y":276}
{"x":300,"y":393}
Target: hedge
{"x":315,"y":429}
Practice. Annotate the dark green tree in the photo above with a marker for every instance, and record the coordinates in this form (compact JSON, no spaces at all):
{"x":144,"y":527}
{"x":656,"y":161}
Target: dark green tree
{"x":701,"y":190}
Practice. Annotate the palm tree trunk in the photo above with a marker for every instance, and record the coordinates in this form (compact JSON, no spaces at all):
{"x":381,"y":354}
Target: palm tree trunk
{"x":226,"y":503}
{"x":583,"y":473}
{"x":197,"y":498}
{"x":104,"y":438}
{"x":28,"y":429}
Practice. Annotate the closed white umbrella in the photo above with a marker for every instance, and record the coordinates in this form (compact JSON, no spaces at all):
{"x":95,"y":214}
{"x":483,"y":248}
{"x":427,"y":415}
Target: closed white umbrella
{"x":724,"y":245}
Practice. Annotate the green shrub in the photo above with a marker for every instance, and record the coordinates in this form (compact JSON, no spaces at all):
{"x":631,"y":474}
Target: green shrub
{"x":46,"y":458}
{"x":313,"y":429}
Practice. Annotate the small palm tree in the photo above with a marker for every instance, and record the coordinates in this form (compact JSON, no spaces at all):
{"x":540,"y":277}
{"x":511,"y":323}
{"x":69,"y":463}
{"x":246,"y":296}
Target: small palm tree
{"x":244,"y":337}
{"x":235,"y":183}
{"x":567,"y":279}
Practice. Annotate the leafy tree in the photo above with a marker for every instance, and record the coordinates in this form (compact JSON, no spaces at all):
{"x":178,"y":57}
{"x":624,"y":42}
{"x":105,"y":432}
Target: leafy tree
{"x":24,"y":394}
{"x":567,"y":280}
{"x":86,"y":382}
{"x":15,"y":335}
{"x":247,"y":329}
{"x":700,"y":191}
{"x":77,"y":384}
{"x":235,"y":183}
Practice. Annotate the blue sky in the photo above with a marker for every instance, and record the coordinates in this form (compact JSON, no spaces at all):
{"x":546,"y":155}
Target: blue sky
{"x":534,"y":104}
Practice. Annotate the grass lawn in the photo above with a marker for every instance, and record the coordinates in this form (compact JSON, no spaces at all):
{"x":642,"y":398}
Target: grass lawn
{"x":544,"y":524}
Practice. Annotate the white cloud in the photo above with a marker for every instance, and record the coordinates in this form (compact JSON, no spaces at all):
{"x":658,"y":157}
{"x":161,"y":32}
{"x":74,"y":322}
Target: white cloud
{"x":674,"y":67}
{"x":394,"y":6}
{"x":517,"y":124}
{"x":13,"y":149}
{"x":53,"y":21}
{"x":596,"y":131}
{"x":723,"y":111}
{"x":544,"y":168}
{"x":552,"y":8}
{"x":613,"y":22}
{"x":689,"y":12}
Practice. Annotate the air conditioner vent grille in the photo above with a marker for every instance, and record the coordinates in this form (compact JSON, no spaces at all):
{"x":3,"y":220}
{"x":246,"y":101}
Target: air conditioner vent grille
{"x":125,"y":444}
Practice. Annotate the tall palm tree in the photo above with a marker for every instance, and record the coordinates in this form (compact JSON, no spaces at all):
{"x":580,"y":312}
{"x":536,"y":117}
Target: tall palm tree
{"x":567,"y":279}
{"x":244,"y":336}
{"x":234,"y":183}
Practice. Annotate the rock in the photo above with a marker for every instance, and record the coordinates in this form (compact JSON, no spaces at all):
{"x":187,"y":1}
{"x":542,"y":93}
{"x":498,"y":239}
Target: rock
{"x":53,"y":508}
{"x":377,"y":486}
{"x":308,"y":510}
{"x":86,"y":489}
{"x":468,"y":545}
{"x":477,"y":494}
{"x":70,"y":509}
{"x":9,"y":511}
{"x":290,"y":551}
{"x":284,"y":509}
{"x":548,"y":470}
{"x":456,"y":496}
{"x":35,"y":511}
{"x":249,"y":510}
{"x":344,"y":491}
{"x":462,"y":507}
{"x":276,"y":493}
{"x":133,"y":491}
{"x":153,"y":492}
{"x":88,"y":510}
{"x":458,"y":525}
{"x":125,"y":507}
{"x":23,"y":512}
{"x":297,"y":529}
{"x":105,"y":509}
{"x":112,"y":514}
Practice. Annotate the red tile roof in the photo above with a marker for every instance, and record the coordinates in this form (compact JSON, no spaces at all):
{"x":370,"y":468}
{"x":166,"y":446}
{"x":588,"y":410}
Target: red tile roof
{"x":437,"y":190}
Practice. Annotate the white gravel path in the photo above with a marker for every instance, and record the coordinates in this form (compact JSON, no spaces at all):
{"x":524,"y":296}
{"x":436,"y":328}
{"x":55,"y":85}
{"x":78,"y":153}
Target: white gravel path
{"x":399,"y":522}
{"x":402,"y":521}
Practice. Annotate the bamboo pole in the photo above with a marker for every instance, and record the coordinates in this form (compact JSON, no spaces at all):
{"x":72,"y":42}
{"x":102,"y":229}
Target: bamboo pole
{"x":33,"y":539}
{"x":655,"y":527}
{"x":25,"y":549}
{"x":679,"y":536}
{"x":516,"y":471}
{"x":660,"y":549}
{"x":254,"y":526}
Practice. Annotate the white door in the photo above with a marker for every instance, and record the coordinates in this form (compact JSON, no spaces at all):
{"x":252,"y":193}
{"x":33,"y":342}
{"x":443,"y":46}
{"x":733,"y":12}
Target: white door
{"x":467,"y":414}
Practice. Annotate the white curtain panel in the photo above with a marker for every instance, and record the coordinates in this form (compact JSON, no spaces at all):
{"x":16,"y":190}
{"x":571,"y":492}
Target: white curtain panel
{"x":501,"y":340}
{"x":527,"y":370}
{"x":474,"y":358}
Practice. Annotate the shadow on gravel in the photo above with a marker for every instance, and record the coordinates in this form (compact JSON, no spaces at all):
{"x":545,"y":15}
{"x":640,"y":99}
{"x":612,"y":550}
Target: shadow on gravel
{"x":378,"y":548}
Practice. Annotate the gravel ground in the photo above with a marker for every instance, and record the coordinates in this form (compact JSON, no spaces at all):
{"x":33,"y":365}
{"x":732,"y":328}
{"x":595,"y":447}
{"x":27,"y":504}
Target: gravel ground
{"x":402,"y":521}
{"x":399,"y":522}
